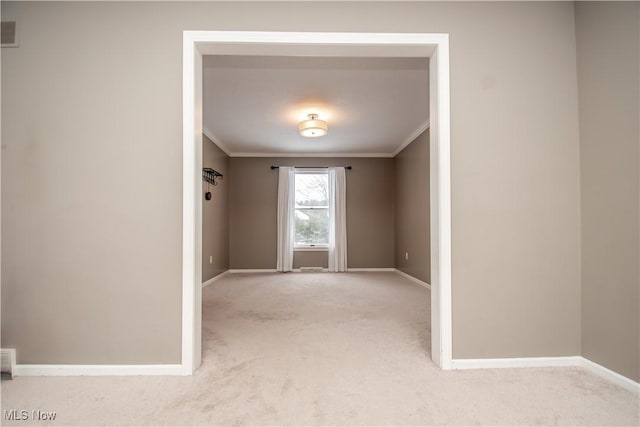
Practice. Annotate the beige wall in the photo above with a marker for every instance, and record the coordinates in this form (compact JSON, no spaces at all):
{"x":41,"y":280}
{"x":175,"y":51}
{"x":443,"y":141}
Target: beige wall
{"x":253,"y":206}
{"x":92,"y":169}
{"x":515,"y":181}
{"x":608,"y":50}
{"x":215,"y":213}
{"x":412,"y":216}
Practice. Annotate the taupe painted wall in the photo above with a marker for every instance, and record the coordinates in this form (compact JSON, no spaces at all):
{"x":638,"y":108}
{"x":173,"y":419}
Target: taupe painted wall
{"x":310,"y":259}
{"x":514,"y":181}
{"x":253,"y":207}
{"x":215,"y":213}
{"x":100,"y":84}
{"x":608,"y":48}
{"x":412,"y":216}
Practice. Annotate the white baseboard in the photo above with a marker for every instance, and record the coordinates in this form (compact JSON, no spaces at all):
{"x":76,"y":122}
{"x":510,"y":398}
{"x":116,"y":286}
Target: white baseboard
{"x":515,"y":362}
{"x":214,"y":278}
{"x":372,"y":270}
{"x":96,"y":370}
{"x":413,"y":279}
{"x":542,"y":362}
{"x":608,"y":374}
{"x":251,"y":270}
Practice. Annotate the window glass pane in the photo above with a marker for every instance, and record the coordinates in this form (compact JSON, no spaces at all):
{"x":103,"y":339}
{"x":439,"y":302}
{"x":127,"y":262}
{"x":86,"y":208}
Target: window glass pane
{"x":312,"y":226}
{"x":312,"y":213}
{"x":312,"y":189}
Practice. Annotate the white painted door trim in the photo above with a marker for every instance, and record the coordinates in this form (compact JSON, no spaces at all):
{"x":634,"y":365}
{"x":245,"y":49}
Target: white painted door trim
{"x":433,"y":46}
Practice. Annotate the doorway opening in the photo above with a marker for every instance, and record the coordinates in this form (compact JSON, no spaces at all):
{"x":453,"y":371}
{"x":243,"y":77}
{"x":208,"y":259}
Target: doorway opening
{"x":431,"y":46}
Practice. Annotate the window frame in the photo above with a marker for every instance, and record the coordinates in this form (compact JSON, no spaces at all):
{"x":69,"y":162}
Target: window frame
{"x":307,"y":247}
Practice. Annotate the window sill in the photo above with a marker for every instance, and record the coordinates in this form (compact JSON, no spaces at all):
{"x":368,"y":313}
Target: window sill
{"x":311,"y":249}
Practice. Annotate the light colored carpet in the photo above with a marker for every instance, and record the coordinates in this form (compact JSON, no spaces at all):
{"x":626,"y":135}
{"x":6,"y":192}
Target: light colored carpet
{"x":325,"y":349}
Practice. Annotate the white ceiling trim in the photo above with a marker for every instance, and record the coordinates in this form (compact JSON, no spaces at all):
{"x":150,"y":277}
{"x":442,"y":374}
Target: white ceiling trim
{"x":229,"y":153}
{"x":216,"y":141}
{"x":411,"y":138}
{"x":311,"y":155}
{"x":401,"y":147}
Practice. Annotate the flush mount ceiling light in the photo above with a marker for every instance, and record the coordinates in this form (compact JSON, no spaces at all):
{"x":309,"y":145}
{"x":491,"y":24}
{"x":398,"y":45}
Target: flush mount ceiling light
{"x":313,"y":127}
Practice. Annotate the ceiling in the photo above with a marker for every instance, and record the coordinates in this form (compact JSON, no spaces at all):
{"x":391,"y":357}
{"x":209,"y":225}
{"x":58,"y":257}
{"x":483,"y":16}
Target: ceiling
{"x":374,"y":106}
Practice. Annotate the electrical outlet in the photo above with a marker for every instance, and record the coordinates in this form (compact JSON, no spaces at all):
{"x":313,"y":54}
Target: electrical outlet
{"x":210,"y":259}
{"x":406,"y":256}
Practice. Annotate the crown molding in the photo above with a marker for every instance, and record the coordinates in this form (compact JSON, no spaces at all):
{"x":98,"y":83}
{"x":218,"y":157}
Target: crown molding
{"x":216,"y":141}
{"x":416,"y":133}
{"x":311,"y":155}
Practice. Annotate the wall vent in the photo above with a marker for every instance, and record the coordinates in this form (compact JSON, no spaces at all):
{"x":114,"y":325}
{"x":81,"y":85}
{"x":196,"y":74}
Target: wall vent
{"x":311,"y":269}
{"x":8,"y":356}
{"x":9,"y":34}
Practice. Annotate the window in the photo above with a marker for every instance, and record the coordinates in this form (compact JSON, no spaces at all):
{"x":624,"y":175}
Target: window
{"x":312,"y":208}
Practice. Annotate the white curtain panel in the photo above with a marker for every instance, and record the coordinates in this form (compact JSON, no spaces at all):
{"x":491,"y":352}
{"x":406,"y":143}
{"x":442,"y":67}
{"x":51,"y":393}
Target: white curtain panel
{"x":286,"y":206}
{"x":337,"y":219}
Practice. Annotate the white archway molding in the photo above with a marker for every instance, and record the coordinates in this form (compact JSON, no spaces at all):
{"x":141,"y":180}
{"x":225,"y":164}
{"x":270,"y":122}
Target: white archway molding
{"x":432,"y":46}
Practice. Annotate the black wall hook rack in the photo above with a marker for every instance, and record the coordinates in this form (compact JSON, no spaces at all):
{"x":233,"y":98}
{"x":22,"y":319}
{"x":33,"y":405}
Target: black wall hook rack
{"x":209,"y":175}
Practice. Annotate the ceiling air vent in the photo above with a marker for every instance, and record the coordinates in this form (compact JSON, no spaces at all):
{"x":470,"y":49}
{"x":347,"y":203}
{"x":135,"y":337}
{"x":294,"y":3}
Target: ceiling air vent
{"x":9,"y":34}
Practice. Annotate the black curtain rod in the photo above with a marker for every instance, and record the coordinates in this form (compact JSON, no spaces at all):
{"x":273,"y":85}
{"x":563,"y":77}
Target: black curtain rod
{"x":309,"y":167}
